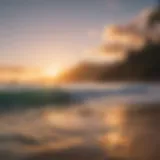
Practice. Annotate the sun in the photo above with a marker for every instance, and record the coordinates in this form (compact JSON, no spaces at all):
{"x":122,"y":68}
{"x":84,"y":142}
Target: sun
{"x":52,"y":72}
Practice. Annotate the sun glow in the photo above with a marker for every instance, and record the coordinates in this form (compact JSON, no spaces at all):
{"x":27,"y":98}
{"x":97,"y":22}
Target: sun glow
{"x":52,"y":72}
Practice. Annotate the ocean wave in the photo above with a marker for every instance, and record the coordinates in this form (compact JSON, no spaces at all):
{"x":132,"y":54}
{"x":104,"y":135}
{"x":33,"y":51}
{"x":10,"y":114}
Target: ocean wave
{"x":17,"y":99}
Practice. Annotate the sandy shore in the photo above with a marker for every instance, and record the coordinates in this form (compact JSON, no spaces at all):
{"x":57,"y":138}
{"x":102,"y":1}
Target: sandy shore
{"x":137,"y":137}
{"x":141,"y":131}
{"x":78,"y":153}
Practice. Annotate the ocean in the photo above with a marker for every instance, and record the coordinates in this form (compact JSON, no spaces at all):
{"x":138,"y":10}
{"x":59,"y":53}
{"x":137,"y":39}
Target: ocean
{"x":87,"y":121}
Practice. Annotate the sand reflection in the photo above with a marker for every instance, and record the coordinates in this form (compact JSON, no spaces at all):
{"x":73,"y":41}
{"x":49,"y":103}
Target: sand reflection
{"x":118,"y":131}
{"x":135,"y":134}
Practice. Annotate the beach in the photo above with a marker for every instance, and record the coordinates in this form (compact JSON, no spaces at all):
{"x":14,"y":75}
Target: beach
{"x":119,"y":126}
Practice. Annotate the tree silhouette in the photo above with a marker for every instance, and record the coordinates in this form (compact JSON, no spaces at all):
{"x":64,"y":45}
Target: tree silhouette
{"x":143,"y":65}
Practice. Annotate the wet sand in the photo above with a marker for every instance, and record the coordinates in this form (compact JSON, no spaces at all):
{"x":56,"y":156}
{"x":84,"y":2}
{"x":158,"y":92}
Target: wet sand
{"x":135,"y":135}
{"x":78,"y":153}
{"x":139,"y":134}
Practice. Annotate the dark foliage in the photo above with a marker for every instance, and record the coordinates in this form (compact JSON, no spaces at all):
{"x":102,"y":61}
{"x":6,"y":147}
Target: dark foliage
{"x":143,"y":65}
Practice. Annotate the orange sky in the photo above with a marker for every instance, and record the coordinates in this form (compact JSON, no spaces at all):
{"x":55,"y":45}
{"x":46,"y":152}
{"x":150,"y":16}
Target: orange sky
{"x":29,"y":75}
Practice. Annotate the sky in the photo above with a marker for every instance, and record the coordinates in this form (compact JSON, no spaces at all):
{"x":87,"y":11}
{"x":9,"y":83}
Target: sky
{"x":43,"y":33}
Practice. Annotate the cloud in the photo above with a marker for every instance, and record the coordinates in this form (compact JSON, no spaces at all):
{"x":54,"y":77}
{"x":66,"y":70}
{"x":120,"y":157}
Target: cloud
{"x":120,"y":39}
{"x":124,"y":36}
{"x":112,"y":49}
{"x":148,"y":22}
